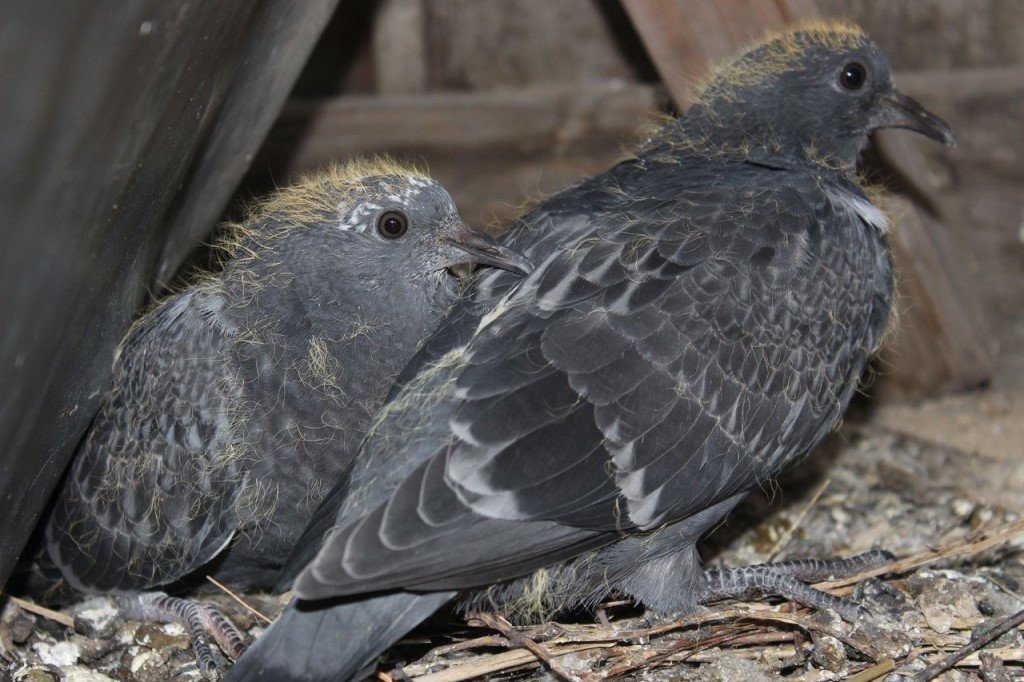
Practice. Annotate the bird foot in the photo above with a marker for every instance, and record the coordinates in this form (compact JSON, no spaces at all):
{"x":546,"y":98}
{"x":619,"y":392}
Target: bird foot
{"x":788,"y":579}
{"x":818,"y":570}
{"x":201,"y":621}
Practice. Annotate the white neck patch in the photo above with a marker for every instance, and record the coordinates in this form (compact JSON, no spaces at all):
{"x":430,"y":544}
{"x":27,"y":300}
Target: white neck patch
{"x":863,"y":208}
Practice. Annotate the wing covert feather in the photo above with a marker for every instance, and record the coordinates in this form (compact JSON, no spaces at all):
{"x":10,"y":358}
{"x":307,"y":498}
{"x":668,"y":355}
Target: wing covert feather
{"x":150,"y":492}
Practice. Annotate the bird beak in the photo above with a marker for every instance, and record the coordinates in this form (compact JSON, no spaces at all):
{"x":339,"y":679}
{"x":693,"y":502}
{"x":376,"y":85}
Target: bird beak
{"x":484,"y":250}
{"x":899,"y":111}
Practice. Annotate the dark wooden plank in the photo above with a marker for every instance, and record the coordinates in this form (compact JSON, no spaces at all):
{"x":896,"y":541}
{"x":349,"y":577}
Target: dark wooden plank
{"x":685,"y":38}
{"x":938,"y":343}
{"x":126,"y":127}
{"x":492,"y":149}
{"x":312,"y":131}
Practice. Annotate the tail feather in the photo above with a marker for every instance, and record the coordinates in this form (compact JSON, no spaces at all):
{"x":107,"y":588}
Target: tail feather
{"x":341,"y":641}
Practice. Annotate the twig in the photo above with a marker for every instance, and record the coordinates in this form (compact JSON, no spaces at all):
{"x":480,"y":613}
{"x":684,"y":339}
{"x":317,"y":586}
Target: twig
{"x":478,"y":643}
{"x":57,"y":616}
{"x":517,"y":638}
{"x":238,"y":599}
{"x":874,"y":672}
{"x":740,"y":627}
{"x":489,"y":664}
{"x":696,"y":639}
{"x":759,"y":613}
{"x":799,"y":519}
{"x":982,"y":640}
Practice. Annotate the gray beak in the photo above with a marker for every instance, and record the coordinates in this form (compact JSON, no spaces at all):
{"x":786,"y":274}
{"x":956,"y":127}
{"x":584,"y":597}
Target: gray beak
{"x":484,"y":250}
{"x":899,"y":111}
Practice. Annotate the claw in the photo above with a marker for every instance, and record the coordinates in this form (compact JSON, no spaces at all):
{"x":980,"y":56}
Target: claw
{"x":200,"y":620}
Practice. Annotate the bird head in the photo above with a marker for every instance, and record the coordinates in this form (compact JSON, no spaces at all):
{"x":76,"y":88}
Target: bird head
{"x":410,"y":222}
{"x":374,"y":220}
{"x":815,"y":92}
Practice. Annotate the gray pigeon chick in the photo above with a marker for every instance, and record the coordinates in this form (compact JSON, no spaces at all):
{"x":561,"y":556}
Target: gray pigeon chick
{"x":237,"y":402}
{"x":698,"y":320}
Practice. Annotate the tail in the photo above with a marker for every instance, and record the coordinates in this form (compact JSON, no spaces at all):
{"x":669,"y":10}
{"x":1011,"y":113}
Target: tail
{"x":337,"y":641}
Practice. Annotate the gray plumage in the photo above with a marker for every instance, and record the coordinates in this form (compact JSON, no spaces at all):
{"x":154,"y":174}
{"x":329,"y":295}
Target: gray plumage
{"x":698,"y":319}
{"x":237,"y":403}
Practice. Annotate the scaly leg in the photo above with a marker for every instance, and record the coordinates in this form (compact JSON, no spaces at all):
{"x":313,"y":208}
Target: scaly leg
{"x":785,"y":579}
{"x":819,"y":570}
{"x":200,"y":620}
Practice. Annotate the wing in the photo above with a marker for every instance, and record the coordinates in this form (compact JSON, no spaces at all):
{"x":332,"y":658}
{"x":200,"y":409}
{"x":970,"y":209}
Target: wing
{"x":150,"y":493}
{"x":649,"y":368}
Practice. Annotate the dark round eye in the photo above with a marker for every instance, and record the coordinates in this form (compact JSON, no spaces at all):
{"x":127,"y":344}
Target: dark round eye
{"x":392,"y":225}
{"x":853,"y":76}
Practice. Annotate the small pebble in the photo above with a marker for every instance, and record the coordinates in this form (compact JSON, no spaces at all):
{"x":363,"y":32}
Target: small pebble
{"x":78,"y":673}
{"x":59,"y":654}
{"x":829,"y":653}
{"x":99,"y":623}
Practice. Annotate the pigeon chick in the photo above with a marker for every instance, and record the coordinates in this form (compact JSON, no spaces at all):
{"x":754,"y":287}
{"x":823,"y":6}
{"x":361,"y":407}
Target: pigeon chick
{"x":236,"y":402}
{"x":698,"y":320}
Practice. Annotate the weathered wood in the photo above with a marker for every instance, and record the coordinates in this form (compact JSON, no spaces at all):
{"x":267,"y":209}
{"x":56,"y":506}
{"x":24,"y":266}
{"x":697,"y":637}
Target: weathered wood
{"x":400,"y":47}
{"x":311,"y":131}
{"x":939,"y":343}
{"x":493,"y":149}
{"x":985,"y":106}
{"x":512,"y":43}
{"x":939,"y":34}
{"x":125,"y":128}
{"x":685,"y":38}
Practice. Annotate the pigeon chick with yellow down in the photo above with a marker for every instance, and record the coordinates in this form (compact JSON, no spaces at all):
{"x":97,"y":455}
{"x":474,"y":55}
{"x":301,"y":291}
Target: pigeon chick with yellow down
{"x":238,"y":402}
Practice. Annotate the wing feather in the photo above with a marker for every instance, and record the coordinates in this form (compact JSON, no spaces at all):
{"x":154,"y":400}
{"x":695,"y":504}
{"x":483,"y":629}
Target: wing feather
{"x":150,"y":494}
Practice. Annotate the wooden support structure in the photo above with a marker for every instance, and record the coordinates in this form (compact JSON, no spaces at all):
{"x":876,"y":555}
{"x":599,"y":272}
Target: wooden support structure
{"x":490,"y":148}
{"x":685,"y":38}
{"x":938,"y":344}
{"x":125,"y":129}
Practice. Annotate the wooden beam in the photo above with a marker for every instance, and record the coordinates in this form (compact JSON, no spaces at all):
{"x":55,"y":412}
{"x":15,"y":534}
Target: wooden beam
{"x":400,"y":47}
{"x":684,"y":38}
{"x":548,"y":117}
{"x":939,"y":342}
{"x":492,"y":149}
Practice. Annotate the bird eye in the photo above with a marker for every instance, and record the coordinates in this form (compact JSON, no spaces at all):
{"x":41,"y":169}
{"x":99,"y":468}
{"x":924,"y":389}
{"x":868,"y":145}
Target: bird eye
{"x":853,"y":76}
{"x":392,"y":225}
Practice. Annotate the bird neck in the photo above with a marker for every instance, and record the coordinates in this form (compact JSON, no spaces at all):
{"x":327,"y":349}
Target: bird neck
{"x":268,"y":297}
{"x":730,"y":132}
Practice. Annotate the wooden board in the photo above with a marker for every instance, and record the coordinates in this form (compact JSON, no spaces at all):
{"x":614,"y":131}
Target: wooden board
{"x":685,"y":38}
{"x":938,"y":344}
{"x":125,"y":129}
{"x":491,"y":149}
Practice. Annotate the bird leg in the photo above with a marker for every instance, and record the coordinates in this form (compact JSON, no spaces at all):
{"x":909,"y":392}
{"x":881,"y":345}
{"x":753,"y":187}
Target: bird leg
{"x":786,"y":579}
{"x":200,"y":620}
{"x":818,"y":570}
